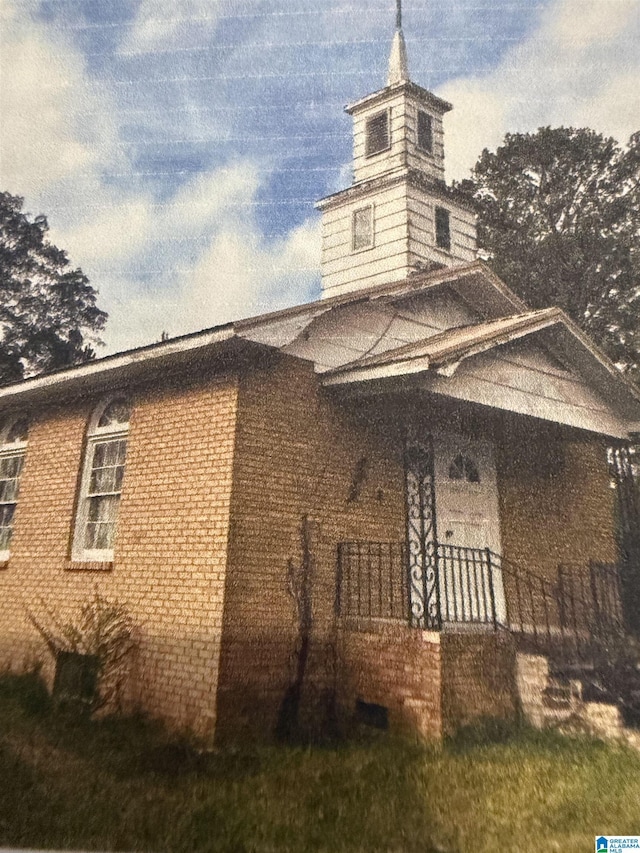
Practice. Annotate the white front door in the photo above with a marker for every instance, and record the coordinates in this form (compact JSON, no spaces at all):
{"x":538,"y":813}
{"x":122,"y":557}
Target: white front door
{"x":468,"y":523}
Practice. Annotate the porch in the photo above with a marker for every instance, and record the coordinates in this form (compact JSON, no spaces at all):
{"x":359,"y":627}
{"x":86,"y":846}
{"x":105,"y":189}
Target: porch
{"x":575,"y":622}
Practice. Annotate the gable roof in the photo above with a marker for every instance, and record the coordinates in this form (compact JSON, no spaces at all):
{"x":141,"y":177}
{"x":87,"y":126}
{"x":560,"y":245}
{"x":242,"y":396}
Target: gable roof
{"x":274,"y":329}
{"x":538,"y":363}
{"x":444,"y":351}
{"x":427,"y":324}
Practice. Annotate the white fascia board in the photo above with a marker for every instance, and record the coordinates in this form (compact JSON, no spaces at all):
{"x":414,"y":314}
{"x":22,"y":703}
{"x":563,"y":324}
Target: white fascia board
{"x":403,"y":367}
{"x":110,"y":364}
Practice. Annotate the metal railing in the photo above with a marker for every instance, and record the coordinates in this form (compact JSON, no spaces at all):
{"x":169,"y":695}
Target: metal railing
{"x":372,"y":580}
{"x":468,"y":585}
{"x":579,"y":610}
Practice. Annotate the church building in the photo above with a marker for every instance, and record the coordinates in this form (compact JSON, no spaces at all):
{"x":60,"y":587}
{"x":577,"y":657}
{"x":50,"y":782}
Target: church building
{"x":374,"y":508}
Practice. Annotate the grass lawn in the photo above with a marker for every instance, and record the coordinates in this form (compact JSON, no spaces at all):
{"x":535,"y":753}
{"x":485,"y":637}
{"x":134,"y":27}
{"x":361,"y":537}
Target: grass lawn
{"x":121,"y":785}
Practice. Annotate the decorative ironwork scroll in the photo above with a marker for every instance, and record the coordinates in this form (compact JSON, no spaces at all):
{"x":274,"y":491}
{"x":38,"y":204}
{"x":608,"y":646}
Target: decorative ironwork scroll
{"x":422,"y":552}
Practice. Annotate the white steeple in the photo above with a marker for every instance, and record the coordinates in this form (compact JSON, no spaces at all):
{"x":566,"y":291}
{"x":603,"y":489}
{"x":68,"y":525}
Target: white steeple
{"x":398,"y":66}
{"x":398,"y":217}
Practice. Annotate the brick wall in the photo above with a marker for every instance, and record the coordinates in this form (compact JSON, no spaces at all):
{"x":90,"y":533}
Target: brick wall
{"x":398,"y":668}
{"x":298,"y":454}
{"x":478,"y":678}
{"x":170,"y":552}
{"x":220,"y":475}
{"x":555,"y":502}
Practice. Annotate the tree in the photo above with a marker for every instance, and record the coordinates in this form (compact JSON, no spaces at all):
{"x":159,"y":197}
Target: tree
{"x":48,"y":312}
{"x":559,"y":220}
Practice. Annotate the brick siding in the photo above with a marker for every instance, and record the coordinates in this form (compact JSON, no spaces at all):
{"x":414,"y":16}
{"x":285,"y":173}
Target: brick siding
{"x":220,"y":475}
{"x":170,"y":551}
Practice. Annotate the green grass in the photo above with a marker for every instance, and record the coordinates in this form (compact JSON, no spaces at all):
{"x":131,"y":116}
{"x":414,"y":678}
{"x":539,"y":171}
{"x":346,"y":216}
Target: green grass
{"x":122,"y":785}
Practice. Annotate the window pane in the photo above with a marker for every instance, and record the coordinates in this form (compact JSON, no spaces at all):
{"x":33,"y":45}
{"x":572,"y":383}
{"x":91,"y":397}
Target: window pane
{"x":100,"y":529}
{"x":464,"y":468}
{"x":102,"y":480}
{"x":118,"y":477}
{"x":8,"y":491}
{"x":443,"y":234}
{"x":107,"y":470}
{"x":117,"y":412}
{"x":363,"y":228}
{"x":10,"y":468}
{"x":6,"y":520}
{"x":19,"y":431}
{"x":377,"y":133}
{"x":425,"y":132}
{"x":456,"y":469}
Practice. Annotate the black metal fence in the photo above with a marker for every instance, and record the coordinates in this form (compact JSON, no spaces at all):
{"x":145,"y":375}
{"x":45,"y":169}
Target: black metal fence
{"x":469,"y":585}
{"x":372,"y":580}
{"x":576,"y":614}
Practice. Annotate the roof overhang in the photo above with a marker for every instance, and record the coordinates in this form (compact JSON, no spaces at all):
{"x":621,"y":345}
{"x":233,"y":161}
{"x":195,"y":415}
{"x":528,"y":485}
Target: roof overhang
{"x":157,"y":359}
{"x":430,"y":100}
{"x":413,"y":177}
{"x":456,"y":364}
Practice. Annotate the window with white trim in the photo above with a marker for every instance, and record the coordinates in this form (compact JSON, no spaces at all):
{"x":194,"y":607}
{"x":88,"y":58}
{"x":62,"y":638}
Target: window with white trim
{"x":13,"y":446}
{"x":362,"y":228}
{"x":102,"y":479}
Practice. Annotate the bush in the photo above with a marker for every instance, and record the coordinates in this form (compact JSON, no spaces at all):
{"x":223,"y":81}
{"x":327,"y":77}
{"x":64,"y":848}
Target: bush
{"x":104,"y":632}
{"x":27,"y":690}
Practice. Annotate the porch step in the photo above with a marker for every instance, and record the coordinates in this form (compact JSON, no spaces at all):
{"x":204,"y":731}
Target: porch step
{"x":569,"y":704}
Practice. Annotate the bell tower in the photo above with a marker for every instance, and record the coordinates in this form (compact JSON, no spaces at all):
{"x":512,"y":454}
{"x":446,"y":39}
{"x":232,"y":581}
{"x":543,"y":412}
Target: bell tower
{"x":398,"y":217}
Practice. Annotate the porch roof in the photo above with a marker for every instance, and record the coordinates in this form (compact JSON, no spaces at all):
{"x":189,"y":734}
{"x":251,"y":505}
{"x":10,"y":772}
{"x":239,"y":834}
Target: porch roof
{"x":536,"y":363}
{"x":458,"y":331}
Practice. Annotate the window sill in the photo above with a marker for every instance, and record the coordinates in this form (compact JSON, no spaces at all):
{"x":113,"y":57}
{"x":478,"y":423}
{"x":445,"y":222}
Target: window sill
{"x":89,"y":566}
{"x":369,"y":155}
{"x":363,"y":249}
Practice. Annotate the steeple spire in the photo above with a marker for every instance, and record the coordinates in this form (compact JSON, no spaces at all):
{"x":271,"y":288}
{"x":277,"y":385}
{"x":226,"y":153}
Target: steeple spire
{"x":398,"y":67}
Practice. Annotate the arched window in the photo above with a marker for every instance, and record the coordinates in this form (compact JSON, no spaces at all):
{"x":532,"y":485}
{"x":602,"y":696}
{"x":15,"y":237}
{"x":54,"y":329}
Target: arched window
{"x":464,"y":468}
{"x":102,"y":479}
{"x":13,"y":446}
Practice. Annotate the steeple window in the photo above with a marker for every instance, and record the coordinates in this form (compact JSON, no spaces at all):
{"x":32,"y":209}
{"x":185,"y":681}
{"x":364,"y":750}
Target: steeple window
{"x":443,"y":229}
{"x":362,"y":223}
{"x":377,"y":133}
{"x":425,"y":132}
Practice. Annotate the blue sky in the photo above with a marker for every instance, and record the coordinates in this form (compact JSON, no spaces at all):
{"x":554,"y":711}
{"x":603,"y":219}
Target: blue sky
{"x":177,"y":146}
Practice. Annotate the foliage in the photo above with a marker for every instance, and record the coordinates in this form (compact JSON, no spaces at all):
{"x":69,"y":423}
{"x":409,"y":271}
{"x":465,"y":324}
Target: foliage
{"x":105,"y":630}
{"x":119,"y":784}
{"x":27,"y":690}
{"x":558,"y":219}
{"x":48,"y":312}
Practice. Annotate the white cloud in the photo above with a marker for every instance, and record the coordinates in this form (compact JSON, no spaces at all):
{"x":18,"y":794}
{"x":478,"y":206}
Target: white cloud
{"x":238,"y":274}
{"x":161,"y":24}
{"x":202,"y":255}
{"x":579,"y":67}
{"x":178,"y":259}
{"x":44,"y":100}
{"x":190,"y":260}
